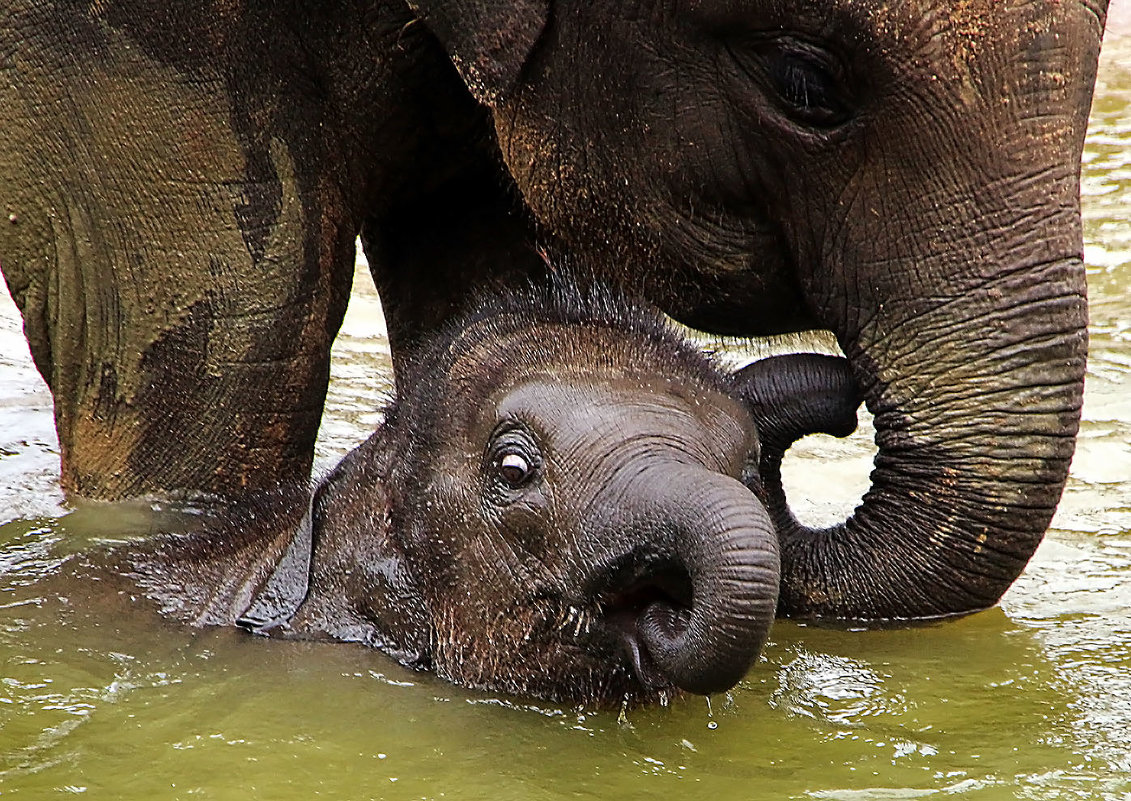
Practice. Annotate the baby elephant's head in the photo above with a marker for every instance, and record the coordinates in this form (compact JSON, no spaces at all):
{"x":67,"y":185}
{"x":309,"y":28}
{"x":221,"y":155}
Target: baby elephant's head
{"x":566,"y":508}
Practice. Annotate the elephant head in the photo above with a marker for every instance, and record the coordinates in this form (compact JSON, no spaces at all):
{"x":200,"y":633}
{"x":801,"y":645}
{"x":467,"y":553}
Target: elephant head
{"x":553,"y":508}
{"x":903,"y":174}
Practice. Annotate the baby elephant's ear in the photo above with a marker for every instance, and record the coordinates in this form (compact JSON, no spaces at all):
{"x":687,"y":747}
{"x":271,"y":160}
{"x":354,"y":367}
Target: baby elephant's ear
{"x":488,"y":42}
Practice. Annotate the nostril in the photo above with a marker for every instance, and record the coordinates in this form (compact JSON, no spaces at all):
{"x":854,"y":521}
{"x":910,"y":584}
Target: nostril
{"x":663,"y":623}
{"x":655,"y":608}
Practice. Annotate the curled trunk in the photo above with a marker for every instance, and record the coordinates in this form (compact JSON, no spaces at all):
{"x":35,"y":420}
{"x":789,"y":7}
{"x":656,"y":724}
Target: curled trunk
{"x":702,"y":610}
{"x":976,"y":416}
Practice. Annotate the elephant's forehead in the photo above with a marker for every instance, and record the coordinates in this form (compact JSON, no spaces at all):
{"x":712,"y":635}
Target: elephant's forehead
{"x":572,"y":410}
{"x":955,"y":34}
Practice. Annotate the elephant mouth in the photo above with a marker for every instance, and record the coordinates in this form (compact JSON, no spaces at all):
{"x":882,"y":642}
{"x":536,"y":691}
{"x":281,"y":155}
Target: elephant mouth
{"x":689,"y":604}
{"x":623,"y":622}
{"x":660,"y":603}
{"x":629,"y":614}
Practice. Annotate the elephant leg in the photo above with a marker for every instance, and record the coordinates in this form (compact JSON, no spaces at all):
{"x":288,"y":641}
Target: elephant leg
{"x":432,"y":256}
{"x":195,"y":369}
{"x":181,"y":266}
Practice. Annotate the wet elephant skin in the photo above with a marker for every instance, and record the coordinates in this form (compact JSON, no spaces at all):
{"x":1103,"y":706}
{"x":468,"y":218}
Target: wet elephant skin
{"x":553,"y":507}
{"x":183,"y":185}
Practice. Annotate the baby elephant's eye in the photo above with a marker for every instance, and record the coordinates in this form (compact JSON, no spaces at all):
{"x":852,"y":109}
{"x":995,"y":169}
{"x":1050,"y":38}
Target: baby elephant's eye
{"x":514,"y":469}
{"x":513,"y":461}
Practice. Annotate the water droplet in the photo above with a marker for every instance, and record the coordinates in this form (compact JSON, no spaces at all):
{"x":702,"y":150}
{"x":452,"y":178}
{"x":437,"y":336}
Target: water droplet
{"x":622,"y":718}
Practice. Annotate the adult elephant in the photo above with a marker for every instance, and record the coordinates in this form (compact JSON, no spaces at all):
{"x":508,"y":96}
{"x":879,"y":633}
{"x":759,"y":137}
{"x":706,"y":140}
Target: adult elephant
{"x":184,"y":184}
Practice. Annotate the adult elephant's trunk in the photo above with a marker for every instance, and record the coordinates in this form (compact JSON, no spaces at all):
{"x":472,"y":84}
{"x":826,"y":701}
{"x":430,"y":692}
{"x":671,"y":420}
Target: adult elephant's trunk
{"x":976,"y":405}
{"x":949,"y":266}
{"x":695,"y":599}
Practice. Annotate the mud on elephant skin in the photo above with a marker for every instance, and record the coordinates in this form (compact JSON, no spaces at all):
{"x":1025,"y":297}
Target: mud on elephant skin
{"x":553,"y":507}
{"x":183,"y":185}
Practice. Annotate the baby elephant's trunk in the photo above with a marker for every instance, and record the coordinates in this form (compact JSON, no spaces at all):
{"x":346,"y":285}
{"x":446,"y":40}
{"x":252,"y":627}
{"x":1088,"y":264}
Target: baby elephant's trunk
{"x":695,"y":597}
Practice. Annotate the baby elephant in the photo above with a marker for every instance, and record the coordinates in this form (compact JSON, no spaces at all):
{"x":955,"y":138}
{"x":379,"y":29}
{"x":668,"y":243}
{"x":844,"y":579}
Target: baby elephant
{"x":553,"y":507}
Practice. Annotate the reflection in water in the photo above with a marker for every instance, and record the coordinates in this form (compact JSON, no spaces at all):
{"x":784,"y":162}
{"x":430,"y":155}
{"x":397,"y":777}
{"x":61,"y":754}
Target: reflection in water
{"x":1029,"y":700}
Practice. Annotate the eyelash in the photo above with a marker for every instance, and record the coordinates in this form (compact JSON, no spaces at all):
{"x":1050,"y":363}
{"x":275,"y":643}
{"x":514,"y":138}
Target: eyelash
{"x":512,"y":440}
{"x":808,"y":82}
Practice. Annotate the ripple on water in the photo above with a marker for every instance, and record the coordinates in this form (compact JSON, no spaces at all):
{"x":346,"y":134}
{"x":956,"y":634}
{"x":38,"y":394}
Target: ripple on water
{"x":835,"y":688}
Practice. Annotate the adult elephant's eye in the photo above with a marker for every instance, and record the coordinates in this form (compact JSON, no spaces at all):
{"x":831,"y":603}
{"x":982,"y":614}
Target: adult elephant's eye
{"x":806,"y":81}
{"x":514,"y":469}
{"x":808,"y":87}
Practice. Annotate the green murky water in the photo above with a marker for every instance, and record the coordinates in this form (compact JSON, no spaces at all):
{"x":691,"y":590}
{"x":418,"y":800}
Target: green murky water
{"x":1028,"y":700}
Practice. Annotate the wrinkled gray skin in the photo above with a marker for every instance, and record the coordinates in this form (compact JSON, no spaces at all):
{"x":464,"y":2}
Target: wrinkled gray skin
{"x":183,"y":184}
{"x":552,"y":508}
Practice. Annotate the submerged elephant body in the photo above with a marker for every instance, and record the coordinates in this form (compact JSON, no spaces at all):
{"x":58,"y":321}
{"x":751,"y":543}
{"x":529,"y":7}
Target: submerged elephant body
{"x":553,"y":507}
{"x":183,"y":185}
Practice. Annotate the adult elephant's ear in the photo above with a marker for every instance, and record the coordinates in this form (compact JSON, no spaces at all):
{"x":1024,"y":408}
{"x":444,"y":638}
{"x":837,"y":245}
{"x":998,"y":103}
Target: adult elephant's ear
{"x":488,"y":41}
